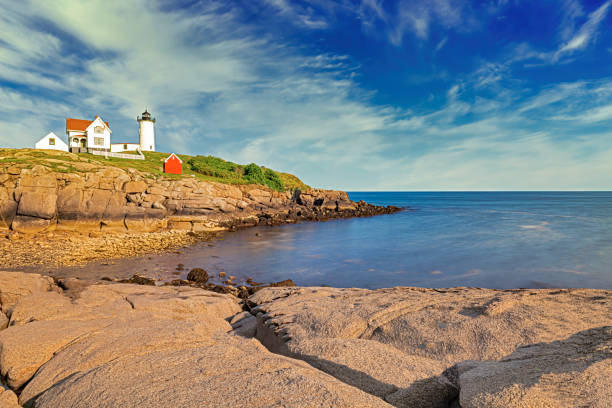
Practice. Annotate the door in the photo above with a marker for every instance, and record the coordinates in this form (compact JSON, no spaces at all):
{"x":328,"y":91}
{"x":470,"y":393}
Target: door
{"x":83,"y":142}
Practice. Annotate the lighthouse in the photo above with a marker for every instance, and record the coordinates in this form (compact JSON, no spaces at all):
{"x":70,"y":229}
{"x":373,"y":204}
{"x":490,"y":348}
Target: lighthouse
{"x":146,"y":131}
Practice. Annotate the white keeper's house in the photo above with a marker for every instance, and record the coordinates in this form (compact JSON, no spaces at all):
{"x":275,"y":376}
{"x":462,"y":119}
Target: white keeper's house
{"x":87,"y":136}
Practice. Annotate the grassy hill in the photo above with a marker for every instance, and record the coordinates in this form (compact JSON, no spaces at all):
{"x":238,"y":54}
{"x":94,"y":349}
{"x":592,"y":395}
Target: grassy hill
{"x":203,"y":167}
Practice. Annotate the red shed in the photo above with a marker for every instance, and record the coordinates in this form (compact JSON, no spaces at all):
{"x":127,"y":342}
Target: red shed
{"x":173,"y":165}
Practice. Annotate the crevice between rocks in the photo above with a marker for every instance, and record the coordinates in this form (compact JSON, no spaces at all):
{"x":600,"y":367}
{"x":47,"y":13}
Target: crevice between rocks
{"x":275,"y":341}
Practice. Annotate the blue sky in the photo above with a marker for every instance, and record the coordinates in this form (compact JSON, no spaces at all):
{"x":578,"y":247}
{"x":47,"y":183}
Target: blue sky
{"x":351,"y":94}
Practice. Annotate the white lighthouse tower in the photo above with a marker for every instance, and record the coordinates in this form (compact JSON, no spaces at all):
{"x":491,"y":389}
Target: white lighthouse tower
{"x":146,"y":132}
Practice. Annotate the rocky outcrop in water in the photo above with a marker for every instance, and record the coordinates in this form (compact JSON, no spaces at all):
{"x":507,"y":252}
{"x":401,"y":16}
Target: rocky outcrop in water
{"x":114,"y":200}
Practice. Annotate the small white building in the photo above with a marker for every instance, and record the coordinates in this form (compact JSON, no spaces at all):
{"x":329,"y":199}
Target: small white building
{"x":51,"y":142}
{"x":86,"y":136}
{"x":124,"y":147}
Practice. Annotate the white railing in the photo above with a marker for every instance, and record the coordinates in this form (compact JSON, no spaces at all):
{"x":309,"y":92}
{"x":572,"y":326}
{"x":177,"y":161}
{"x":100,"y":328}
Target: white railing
{"x":106,"y":154}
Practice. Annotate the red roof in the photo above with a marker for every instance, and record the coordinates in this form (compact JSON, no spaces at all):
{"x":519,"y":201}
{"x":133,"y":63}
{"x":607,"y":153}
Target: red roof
{"x":79,"y":124}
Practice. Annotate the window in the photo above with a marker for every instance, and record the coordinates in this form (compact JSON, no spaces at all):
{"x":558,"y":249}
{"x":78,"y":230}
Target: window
{"x":124,"y":147}
{"x":99,"y":129}
{"x":75,"y":140}
{"x":99,"y":141}
{"x":51,"y":141}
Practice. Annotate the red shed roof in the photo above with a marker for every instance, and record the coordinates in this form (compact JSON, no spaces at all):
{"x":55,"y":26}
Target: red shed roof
{"x":79,"y":124}
{"x":175,"y":156}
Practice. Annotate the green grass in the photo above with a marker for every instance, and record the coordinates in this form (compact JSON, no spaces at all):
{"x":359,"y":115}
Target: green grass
{"x":211,"y":166}
{"x":202,"y":167}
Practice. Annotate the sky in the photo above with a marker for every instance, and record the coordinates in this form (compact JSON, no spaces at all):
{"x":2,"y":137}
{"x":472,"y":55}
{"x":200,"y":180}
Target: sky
{"x":346,"y":94}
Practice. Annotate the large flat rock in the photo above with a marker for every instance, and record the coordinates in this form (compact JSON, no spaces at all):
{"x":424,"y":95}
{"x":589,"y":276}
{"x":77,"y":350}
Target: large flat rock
{"x":44,"y":322}
{"x":574,"y":372}
{"x":396,"y":343}
{"x":110,"y":345}
{"x":114,"y":345}
{"x":232,"y":372}
{"x":15,"y":285}
{"x":137,"y":336}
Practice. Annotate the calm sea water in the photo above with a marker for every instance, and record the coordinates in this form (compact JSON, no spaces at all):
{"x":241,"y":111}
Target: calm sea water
{"x":495,"y":240}
{"x":484,"y":239}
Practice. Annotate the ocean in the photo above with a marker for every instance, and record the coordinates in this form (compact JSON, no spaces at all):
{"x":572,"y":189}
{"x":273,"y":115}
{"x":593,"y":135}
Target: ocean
{"x":443,"y":239}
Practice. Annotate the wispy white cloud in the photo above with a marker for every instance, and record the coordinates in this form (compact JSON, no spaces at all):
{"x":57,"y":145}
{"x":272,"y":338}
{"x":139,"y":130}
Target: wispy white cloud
{"x":572,"y":37}
{"x":572,"y":11}
{"x":597,"y":114}
{"x":585,"y":35}
{"x":441,"y":44}
{"x":215,"y":85}
{"x":220,"y":86}
{"x":415,"y":17}
{"x":302,"y":15}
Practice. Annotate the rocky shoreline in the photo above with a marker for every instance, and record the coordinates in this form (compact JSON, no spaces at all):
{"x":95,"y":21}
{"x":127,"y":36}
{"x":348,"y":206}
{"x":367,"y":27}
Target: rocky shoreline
{"x":75,"y":218}
{"x":111,"y":200}
{"x":75,"y":343}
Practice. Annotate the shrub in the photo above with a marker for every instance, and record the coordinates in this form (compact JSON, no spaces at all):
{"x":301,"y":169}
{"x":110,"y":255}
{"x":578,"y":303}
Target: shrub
{"x":213,"y":166}
{"x":251,"y":173}
{"x":255,"y":174}
{"x":273,"y":180}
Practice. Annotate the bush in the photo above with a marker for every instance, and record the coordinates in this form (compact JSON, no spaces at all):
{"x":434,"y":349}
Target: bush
{"x":273,"y":180}
{"x":251,"y":173}
{"x":255,"y":174}
{"x":213,"y":166}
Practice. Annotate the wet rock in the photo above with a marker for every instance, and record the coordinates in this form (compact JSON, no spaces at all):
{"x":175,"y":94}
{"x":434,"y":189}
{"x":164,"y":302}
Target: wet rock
{"x":283,"y":283}
{"x":226,"y":289}
{"x":197,"y":275}
{"x":139,"y":280}
{"x":180,"y":282}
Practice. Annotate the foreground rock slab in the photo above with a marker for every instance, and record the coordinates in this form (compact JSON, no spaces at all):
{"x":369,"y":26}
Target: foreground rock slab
{"x":15,"y":285}
{"x":575,"y":372}
{"x":402,"y":344}
{"x":231,"y":372}
{"x":111,"y":345}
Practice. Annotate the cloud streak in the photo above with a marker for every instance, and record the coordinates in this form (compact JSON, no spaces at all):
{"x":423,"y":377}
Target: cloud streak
{"x":585,"y":35}
{"x":222,"y":84}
